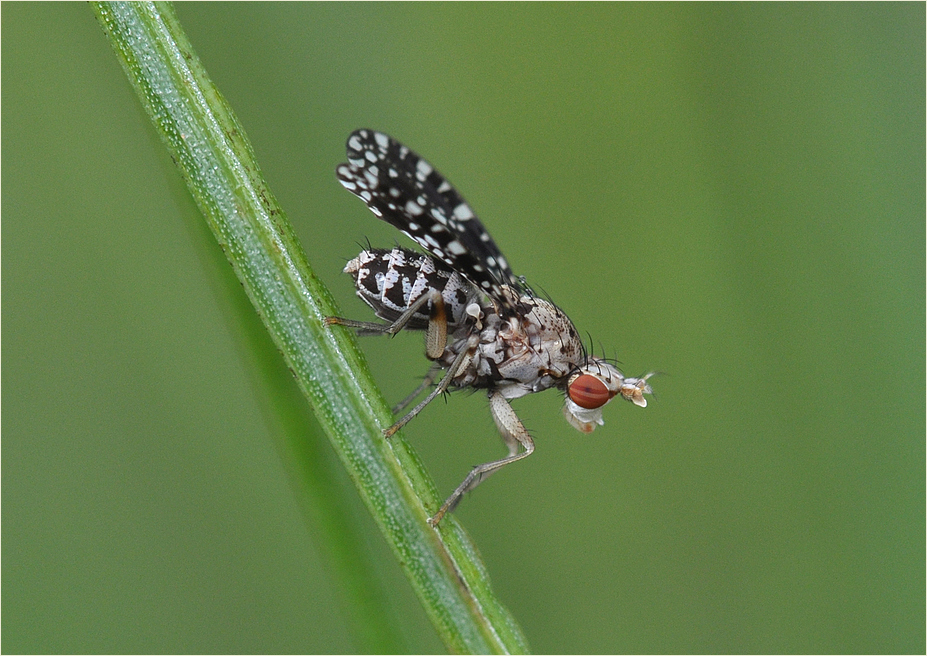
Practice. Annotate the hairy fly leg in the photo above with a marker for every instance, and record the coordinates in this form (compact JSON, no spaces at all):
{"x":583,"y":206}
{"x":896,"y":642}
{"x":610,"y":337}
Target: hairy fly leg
{"x":515,"y":435}
{"x":435,"y":336}
{"x":459,"y":363}
{"x":427,"y":382}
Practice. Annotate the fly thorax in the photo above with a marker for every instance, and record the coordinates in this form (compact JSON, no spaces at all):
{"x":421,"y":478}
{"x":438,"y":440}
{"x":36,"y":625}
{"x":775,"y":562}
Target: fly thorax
{"x":528,"y":353}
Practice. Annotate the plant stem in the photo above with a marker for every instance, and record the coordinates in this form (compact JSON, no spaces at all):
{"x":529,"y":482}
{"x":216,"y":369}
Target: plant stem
{"x":216,"y":161}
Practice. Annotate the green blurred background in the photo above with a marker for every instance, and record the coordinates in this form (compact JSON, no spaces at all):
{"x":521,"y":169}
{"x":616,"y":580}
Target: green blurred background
{"x":731,"y":194}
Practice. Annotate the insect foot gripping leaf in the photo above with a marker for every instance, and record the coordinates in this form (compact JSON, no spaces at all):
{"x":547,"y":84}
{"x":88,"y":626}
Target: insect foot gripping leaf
{"x":483,"y":325}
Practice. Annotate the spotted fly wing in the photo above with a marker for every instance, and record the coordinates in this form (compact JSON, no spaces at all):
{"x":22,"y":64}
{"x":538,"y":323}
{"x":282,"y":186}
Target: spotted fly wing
{"x":406,"y":191}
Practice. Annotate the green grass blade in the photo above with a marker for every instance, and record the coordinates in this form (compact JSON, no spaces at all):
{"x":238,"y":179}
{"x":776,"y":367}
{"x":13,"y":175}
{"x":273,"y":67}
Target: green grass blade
{"x":217,"y":163}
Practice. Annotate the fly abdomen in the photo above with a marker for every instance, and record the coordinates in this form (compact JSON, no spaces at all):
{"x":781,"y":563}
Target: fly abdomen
{"x":390,"y":281}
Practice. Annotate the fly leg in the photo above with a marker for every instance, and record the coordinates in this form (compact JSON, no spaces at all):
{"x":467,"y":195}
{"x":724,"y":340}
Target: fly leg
{"x":462,"y":358}
{"x":515,"y":435}
{"x":435,"y":343}
{"x":427,"y":382}
{"x":437,"y":315}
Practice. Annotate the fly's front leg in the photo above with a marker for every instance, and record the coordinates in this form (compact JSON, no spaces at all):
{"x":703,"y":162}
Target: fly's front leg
{"x":515,"y":435}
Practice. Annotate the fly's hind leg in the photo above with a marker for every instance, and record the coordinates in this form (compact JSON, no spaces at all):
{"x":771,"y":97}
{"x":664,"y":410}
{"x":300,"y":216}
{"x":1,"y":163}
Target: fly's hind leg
{"x":515,"y":435}
{"x":436,"y":336}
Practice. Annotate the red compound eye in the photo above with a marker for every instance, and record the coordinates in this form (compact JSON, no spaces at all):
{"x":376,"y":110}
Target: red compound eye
{"x":589,"y":392}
